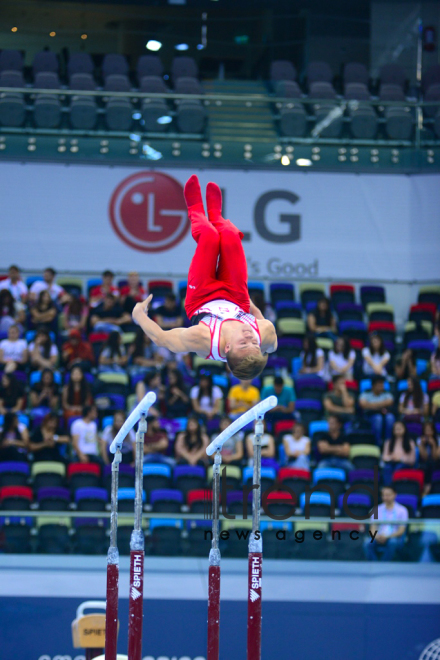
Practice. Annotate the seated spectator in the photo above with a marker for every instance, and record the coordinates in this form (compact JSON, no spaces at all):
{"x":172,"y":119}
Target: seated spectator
{"x":108,"y":316}
{"x":267,"y":445}
{"x":388,"y":537}
{"x":56,"y":292}
{"x":429,"y":451}
{"x":191,"y":444}
{"x":109,"y":434}
{"x":76,"y":351}
{"x":45,"y":394}
{"x":13,"y":351}
{"x":413,"y":404}
{"x":15,"y":285}
{"x":321,"y":320}
{"x":74,"y":316}
{"x":338,"y":401}
{"x":436,"y":338}
{"x":398,"y":452}
{"x":176,"y":397}
{"x":156,"y":443}
{"x":11,"y":312}
{"x":312,"y":357}
{"x":342,"y":358}
{"x":85,"y":439}
{"x":232,"y":450}
{"x":169,"y":315}
{"x":151,"y":383}
{"x":334,"y":447}
{"x":376,"y":405}
{"x":143,"y":355}
{"x":297,"y":447}
{"x":434,"y":364}
{"x":98,"y":293}
{"x":206,"y":398}
{"x":113,"y":356}
{"x":76,"y":394}
{"x":45,"y":443}
{"x":14,"y":439}
{"x":376,"y":357}
{"x":44,"y":312}
{"x":286,"y":400}
{"x":405,"y":365}
{"x":43,"y":352}
{"x":12,"y":398}
{"x":257,"y":297}
{"x":242,"y":397}
{"x":133,"y":292}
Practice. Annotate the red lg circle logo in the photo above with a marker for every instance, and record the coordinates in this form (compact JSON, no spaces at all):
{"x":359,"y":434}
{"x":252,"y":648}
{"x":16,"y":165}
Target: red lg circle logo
{"x":148,"y":212}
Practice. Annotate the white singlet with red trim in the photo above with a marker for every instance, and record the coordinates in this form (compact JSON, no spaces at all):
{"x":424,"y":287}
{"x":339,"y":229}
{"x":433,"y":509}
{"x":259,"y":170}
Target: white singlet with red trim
{"x":218,"y":311}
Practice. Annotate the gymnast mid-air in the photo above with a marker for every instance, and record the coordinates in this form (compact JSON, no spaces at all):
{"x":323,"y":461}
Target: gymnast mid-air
{"x":225,"y":324}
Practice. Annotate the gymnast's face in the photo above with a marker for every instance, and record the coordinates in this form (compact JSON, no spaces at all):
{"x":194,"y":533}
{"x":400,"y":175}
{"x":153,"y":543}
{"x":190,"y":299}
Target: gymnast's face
{"x":244,"y":341}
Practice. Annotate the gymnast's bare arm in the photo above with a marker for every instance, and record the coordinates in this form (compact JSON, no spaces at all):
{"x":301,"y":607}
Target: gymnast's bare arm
{"x":177,"y":340}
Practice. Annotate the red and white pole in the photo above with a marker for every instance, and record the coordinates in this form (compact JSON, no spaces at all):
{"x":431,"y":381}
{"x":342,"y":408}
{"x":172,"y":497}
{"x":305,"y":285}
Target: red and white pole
{"x":255,"y":556}
{"x":111,"y":610}
{"x":136,"y":594}
{"x":214,"y":567}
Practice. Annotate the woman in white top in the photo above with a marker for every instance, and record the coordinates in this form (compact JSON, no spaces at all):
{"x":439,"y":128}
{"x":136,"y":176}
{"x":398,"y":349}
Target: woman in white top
{"x":414,"y":402}
{"x":376,"y":357}
{"x":342,"y":358}
{"x":206,"y":397}
{"x":232,"y":450}
{"x":267,"y":446}
{"x":313,"y":359}
{"x":434,"y":364}
{"x":43,"y":352}
{"x":13,"y":350}
{"x":297,"y":447}
{"x":109,"y":434}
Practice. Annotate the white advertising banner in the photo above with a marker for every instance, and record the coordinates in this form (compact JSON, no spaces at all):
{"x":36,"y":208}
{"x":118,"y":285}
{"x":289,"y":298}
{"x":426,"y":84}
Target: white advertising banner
{"x":82,"y":218}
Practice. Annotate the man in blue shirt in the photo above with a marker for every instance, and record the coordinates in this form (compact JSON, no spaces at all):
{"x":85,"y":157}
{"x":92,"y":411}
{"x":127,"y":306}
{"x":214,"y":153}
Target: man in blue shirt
{"x":286,"y":400}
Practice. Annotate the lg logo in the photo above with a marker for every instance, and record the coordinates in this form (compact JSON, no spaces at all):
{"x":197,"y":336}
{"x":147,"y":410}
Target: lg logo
{"x":292,"y":220}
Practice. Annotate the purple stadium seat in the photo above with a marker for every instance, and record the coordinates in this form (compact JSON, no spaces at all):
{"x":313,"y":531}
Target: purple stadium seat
{"x":183,"y":67}
{"x":355,"y":72}
{"x":45,"y":61}
{"x":392,"y":74}
{"x":11,"y":60}
{"x":282,"y":70}
{"x":319,"y":72}
{"x":80,"y":63}
{"x":114,"y":64}
{"x":149,"y":65}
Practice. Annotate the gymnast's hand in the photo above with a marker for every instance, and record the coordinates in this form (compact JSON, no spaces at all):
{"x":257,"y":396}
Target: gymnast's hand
{"x":141,"y":309}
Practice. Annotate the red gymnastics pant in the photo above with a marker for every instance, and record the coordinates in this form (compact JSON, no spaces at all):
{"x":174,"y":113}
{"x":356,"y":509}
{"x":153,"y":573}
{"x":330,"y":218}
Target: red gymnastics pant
{"x":218,"y":269}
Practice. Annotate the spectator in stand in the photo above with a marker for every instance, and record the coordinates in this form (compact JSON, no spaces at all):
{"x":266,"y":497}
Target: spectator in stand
{"x":56,"y":292}
{"x":98,"y":293}
{"x":435,"y":406}
{"x":376,"y":357}
{"x":388,"y":537}
{"x":76,"y":394}
{"x":133,"y":292}
{"x":232,"y":450}
{"x":143,"y":355}
{"x":434,"y":363}
{"x":191,"y":444}
{"x":334,"y":447}
{"x":413,"y":404}
{"x":45,"y":394}
{"x":11,"y":311}
{"x":113,"y":356}
{"x":12,"y":398}
{"x":242,"y":397}
{"x":109,"y":434}
{"x":85,"y":439}
{"x":74,"y":316}
{"x":429,"y":452}
{"x":312,"y":357}
{"x":297,"y":447}
{"x":156,"y":443}
{"x":169,"y":315}
{"x":338,"y":401}
{"x":321,"y":320}
{"x":376,"y":405}
{"x":43,"y":352}
{"x":176,"y":397}
{"x":398,"y":452}
{"x":265,"y":308}
{"x":436,"y":338}
{"x":44,"y":313}
{"x":342,"y":358}
{"x":14,"y":439}
{"x":45,"y":443}
{"x":286,"y":400}
{"x":13,"y":351}
{"x":108,"y":316}
{"x":206,"y":398}
{"x":15,"y":285}
{"x":151,"y":383}
{"x":267,"y":445}
{"x":405,"y":365}
{"x":75,"y":351}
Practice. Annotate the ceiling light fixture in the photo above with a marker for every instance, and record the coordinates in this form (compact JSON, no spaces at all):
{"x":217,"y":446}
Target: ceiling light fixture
{"x":285,"y":160}
{"x":304,"y":162}
{"x":14,"y":29}
{"x":83,"y":36}
{"x":181,"y":47}
{"x":52,"y":34}
{"x":153,"y":45}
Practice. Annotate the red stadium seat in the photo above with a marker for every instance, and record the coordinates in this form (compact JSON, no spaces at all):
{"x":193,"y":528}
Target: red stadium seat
{"x":423,"y":312}
{"x":283,"y":425}
{"x":24,"y":492}
{"x":409,"y":475}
